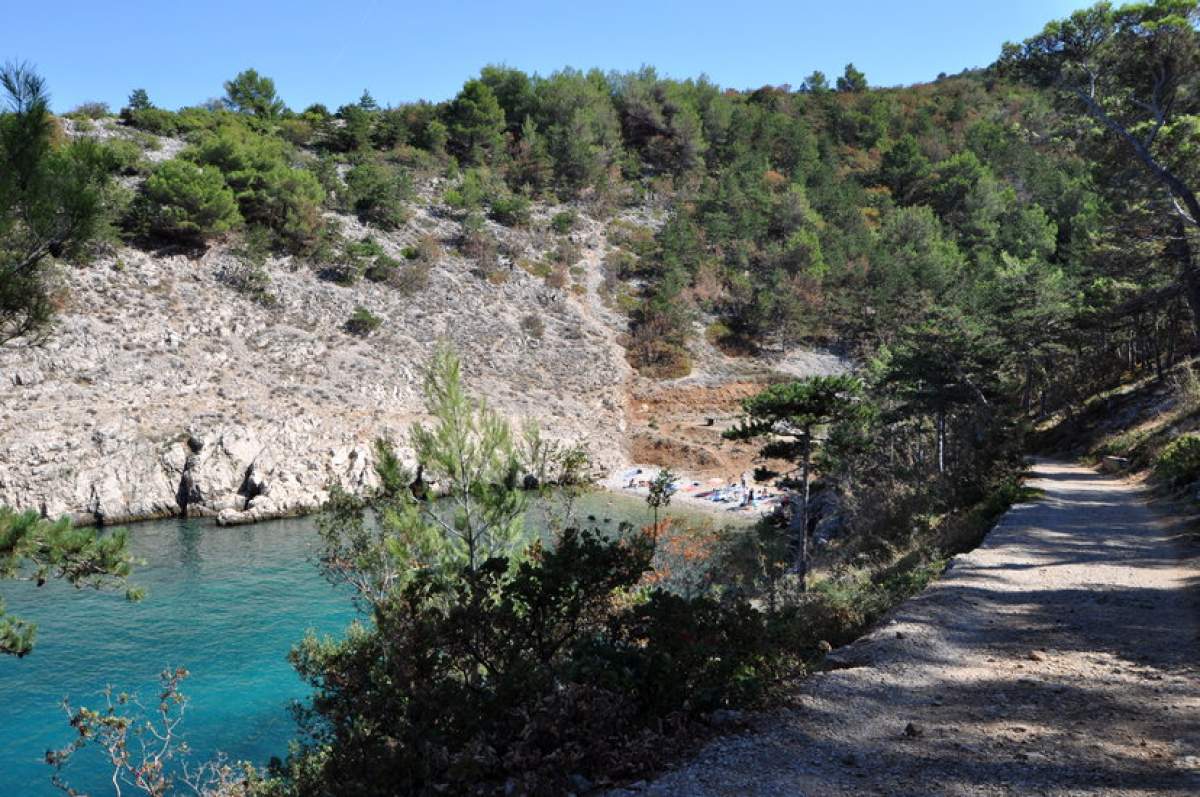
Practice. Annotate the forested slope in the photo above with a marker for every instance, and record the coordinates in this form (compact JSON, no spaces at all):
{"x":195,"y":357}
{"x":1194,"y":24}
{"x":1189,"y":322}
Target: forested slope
{"x":988,"y":250}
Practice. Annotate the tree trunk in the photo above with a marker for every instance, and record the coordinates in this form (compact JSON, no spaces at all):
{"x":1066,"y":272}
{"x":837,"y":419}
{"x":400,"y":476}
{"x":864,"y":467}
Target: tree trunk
{"x":1181,"y":250}
{"x":802,"y":542}
{"x":941,"y":441}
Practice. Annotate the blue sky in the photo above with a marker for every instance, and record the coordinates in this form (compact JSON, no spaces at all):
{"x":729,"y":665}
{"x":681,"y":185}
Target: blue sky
{"x":181,"y":52}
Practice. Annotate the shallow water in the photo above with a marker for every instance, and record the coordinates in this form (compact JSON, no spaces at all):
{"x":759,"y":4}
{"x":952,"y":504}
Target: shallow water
{"x":226,"y":603}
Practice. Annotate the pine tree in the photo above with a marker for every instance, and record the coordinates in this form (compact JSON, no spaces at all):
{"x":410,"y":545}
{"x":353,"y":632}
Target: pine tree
{"x":531,"y":163}
{"x":790,"y":415}
{"x":52,"y":202}
{"x":139,"y":100}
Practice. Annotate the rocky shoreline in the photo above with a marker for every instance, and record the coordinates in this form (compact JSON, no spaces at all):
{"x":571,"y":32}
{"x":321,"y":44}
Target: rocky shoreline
{"x":158,"y":370}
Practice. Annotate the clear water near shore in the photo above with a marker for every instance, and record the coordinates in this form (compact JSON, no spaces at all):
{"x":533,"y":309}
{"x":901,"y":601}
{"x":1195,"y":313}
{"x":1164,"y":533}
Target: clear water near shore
{"x":226,"y":603}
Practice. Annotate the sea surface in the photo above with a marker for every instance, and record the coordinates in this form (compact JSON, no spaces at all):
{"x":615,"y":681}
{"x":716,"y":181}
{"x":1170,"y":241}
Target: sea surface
{"x":226,"y":603}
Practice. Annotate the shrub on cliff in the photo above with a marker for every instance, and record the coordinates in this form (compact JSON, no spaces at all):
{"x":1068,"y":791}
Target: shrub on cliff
{"x":378,"y":193}
{"x":362,"y":322}
{"x":55,"y":201}
{"x":511,"y":210}
{"x":153,"y":120}
{"x":184,"y":201}
{"x":269,"y":189}
{"x":89,"y":110}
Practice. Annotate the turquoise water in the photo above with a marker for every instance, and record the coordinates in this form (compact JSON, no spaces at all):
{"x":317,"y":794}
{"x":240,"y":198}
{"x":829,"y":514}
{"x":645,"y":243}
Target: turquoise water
{"x":226,"y":603}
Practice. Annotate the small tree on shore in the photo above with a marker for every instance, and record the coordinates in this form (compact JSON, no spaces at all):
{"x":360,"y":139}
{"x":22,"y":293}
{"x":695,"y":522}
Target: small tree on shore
{"x":660,"y":493}
{"x":468,"y":453}
{"x":789,"y":416}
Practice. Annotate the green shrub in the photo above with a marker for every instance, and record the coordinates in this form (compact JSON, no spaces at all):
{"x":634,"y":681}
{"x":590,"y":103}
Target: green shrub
{"x":248,"y":274}
{"x":567,"y":254}
{"x":511,"y":210}
{"x":533,"y":326}
{"x":296,"y":131}
{"x":412,"y":278}
{"x":428,"y":249}
{"x":525,"y":672}
{"x":362,"y":322}
{"x":185,"y":201}
{"x":476,"y":187}
{"x":355,"y":259}
{"x":121,"y":156}
{"x":1179,"y":462}
{"x":269,"y":190}
{"x":195,"y":119}
{"x":89,"y":110}
{"x":478,"y":244}
{"x":152,"y":120}
{"x":378,"y":193}
{"x":382,"y":269}
{"x":563,"y":221}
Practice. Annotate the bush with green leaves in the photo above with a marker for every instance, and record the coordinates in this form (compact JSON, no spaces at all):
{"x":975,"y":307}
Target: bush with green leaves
{"x":153,"y":120}
{"x":533,"y":325}
{"x":351,"y":260}
{"x":382,"y":269}
{"x":248,"y":273}
{"x":185,"y":201}
{"x":379,"y":193}
{"x":56,"y":201}
{"x":269,"y":189}
{"x":362,"y":322}
{"x":476,"y":188}
{"x":511,"y":210}
{"x":89,"y":110}
{"x":527,"y":672}
{"x":122,"y":156}
{"x":1179,"y":461}
{"x":478,"y":244}
{"x":489,"y":663}
{"x":564,"y":221}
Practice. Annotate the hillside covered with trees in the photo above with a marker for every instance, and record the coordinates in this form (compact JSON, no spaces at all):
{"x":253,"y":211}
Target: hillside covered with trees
{"x":990,"y":250}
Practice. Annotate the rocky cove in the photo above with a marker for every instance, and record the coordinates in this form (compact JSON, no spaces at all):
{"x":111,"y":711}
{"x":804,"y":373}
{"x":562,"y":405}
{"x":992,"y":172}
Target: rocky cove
{"x":163,"y":391}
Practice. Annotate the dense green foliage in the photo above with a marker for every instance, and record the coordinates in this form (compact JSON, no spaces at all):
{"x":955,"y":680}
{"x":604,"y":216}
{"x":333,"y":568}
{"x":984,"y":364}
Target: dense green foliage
{"x":1179,"y":461}
{"x":183,"y":200}
{"x":54,"y":202}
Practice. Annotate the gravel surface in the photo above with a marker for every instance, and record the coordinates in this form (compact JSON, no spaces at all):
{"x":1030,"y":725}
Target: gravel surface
{"x":1060,"y":658}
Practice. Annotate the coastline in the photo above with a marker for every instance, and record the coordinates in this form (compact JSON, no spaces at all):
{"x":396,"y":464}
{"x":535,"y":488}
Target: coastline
{"x":698,"y":493}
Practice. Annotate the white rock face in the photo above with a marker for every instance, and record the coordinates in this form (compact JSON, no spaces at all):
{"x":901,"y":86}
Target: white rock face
{"x":153,"y":351}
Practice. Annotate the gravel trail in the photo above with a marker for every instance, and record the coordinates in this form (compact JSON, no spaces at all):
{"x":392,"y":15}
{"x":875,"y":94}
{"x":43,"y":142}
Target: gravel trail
{"x":1060,"y":658}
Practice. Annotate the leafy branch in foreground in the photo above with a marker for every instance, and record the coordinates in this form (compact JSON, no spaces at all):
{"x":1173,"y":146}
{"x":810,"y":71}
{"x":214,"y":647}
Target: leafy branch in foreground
{"x":143,"y":747}
{"x":379,"y":542}
{"x":37,"y":550}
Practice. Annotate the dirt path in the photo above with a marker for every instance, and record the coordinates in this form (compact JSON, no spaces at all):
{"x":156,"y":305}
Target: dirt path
{"x":1061,"y":658}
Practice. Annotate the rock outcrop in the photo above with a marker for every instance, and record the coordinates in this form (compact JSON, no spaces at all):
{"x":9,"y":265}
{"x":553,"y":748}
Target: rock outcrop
{"x":163,"y":391}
